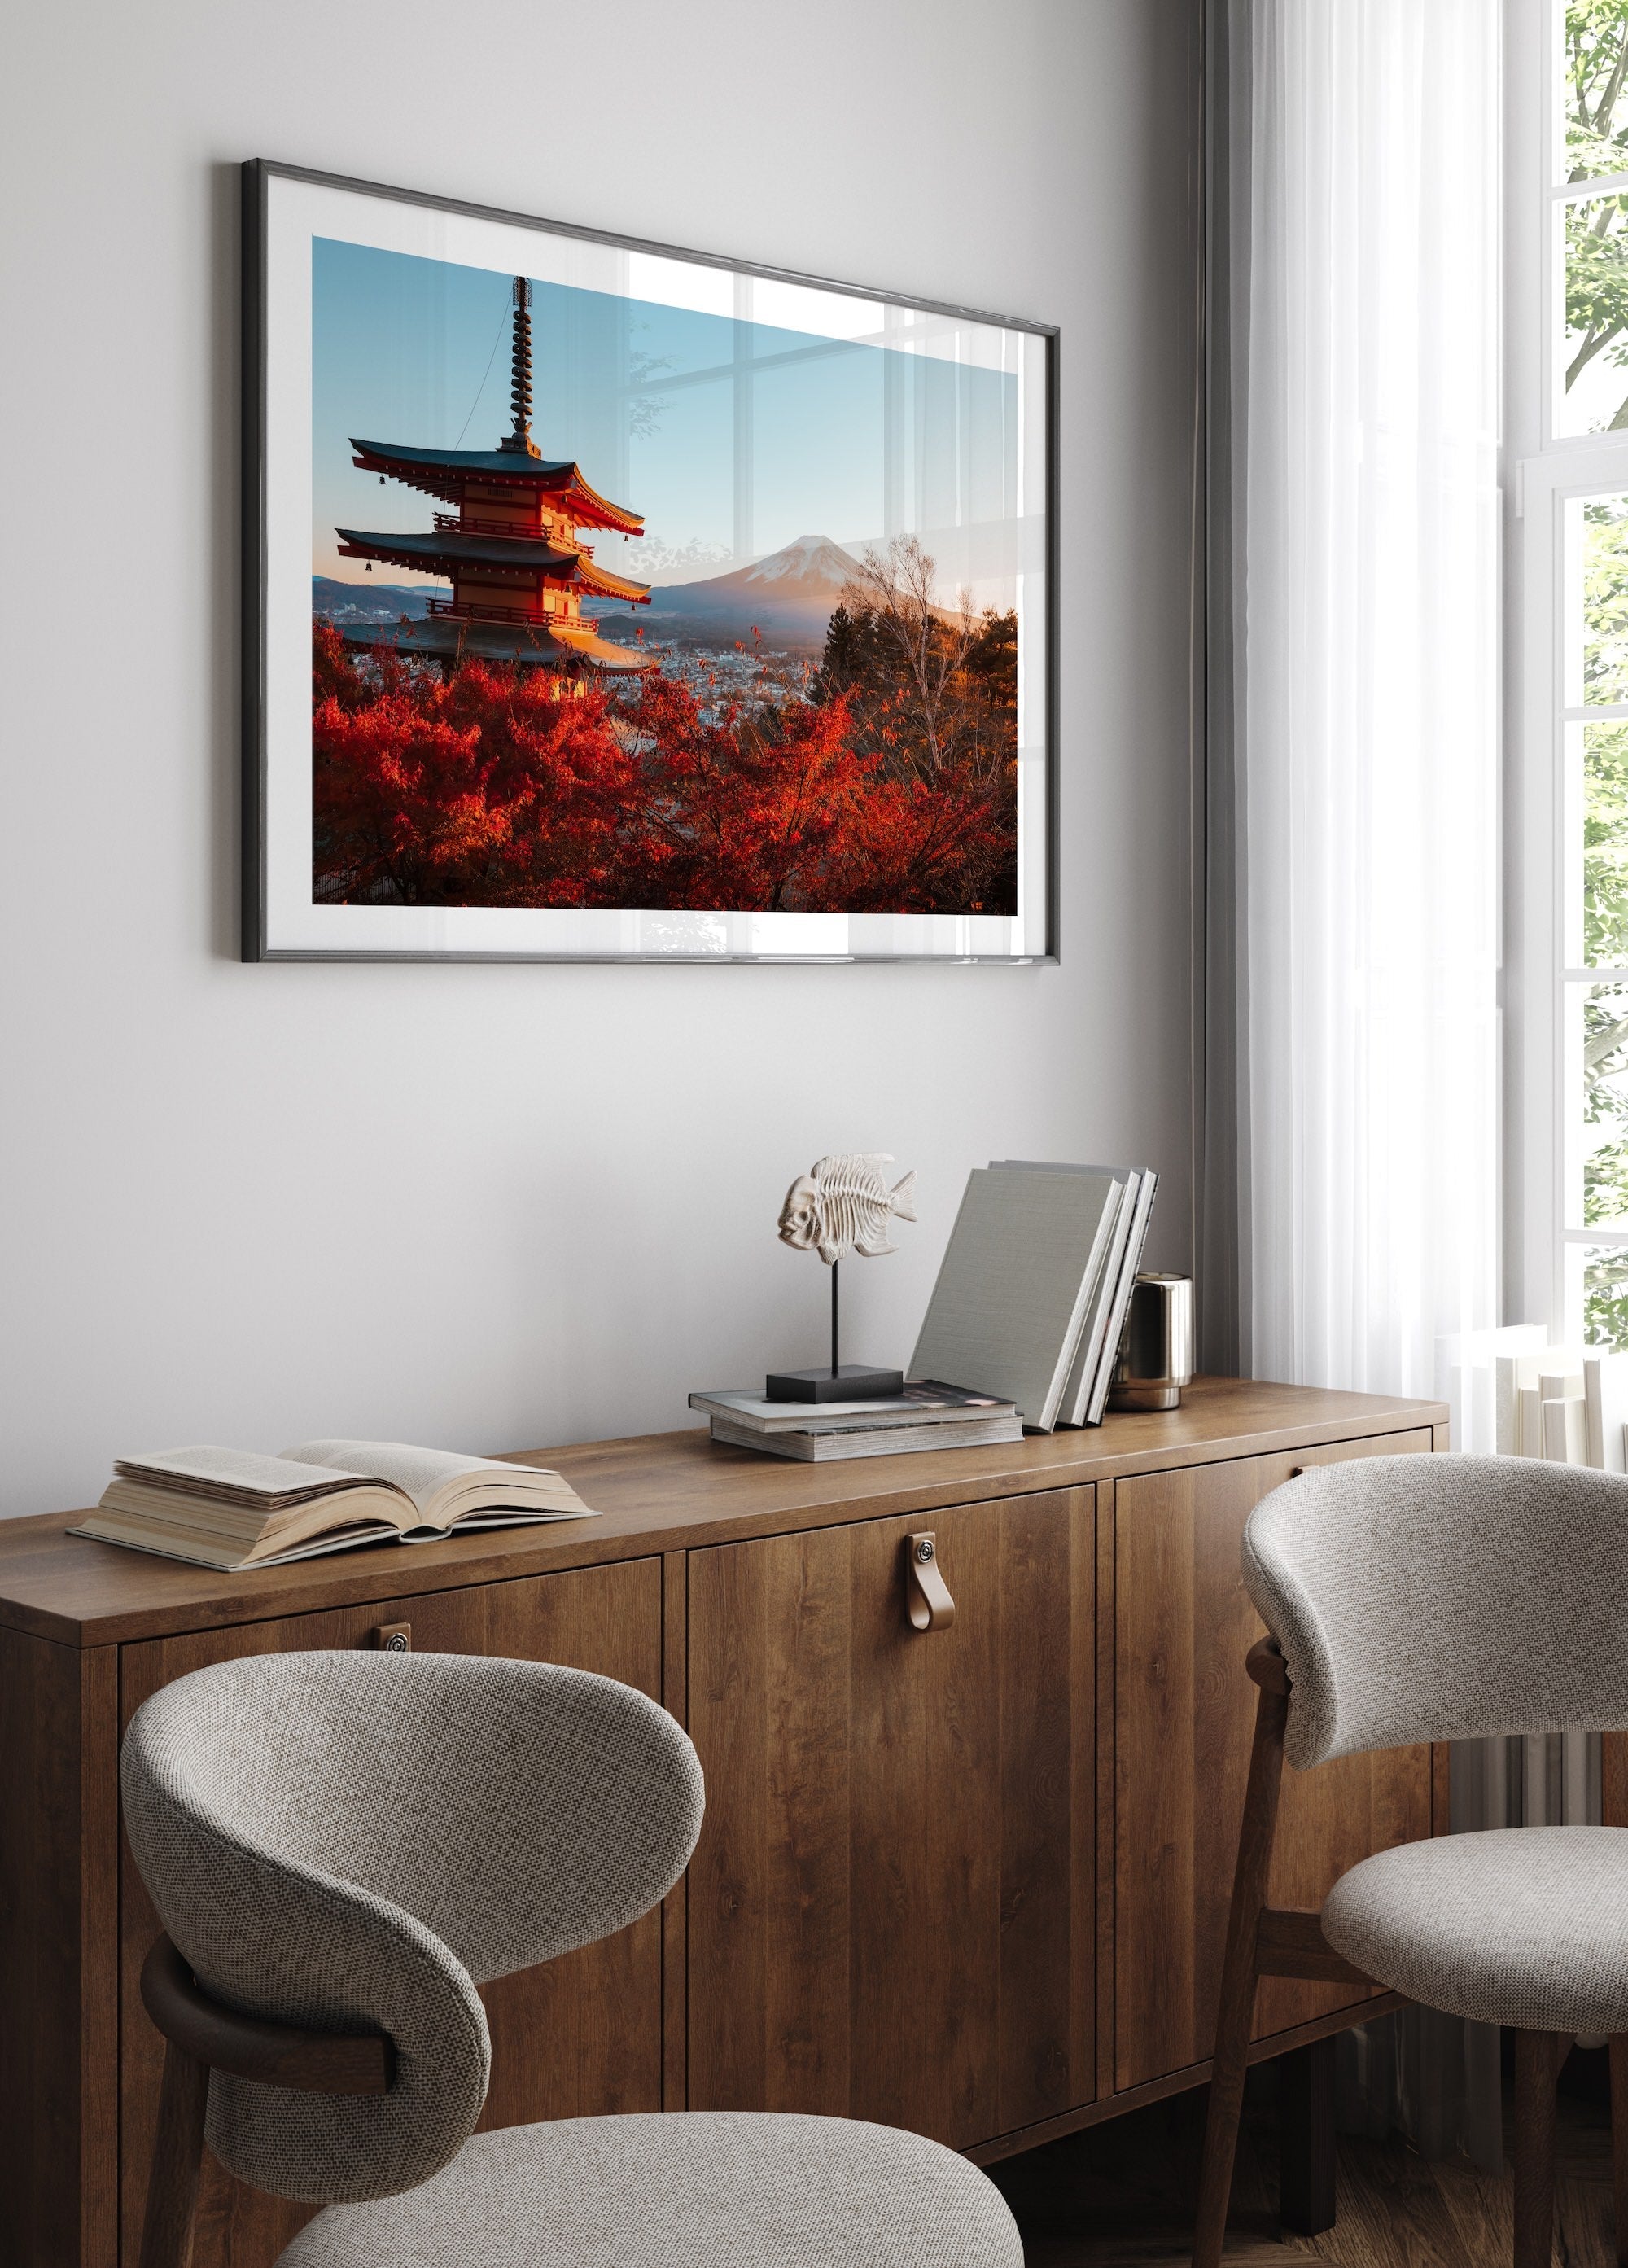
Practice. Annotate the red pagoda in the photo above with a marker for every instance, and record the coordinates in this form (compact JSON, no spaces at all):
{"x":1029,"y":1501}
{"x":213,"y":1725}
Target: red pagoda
{"x":511,"y":551}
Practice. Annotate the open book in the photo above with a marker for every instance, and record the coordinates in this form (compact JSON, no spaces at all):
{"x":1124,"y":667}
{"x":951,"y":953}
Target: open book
{"x":229,"y":1508}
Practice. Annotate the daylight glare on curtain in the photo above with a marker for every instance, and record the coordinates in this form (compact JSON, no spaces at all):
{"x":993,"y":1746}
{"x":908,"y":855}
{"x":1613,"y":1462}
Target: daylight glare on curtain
{"x":1366,"y":560}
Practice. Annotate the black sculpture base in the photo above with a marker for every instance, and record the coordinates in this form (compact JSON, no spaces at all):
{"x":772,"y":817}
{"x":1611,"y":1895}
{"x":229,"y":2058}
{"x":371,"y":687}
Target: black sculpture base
{"x":854,"y":1382}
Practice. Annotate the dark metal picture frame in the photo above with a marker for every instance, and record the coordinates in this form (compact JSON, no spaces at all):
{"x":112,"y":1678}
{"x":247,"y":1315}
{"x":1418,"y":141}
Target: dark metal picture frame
{"x":274,"y":828}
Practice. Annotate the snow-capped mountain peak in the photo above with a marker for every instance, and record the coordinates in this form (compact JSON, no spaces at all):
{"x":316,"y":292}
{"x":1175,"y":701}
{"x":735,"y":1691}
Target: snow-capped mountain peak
{"x":786,"y":600}
{"x":811,"y":559}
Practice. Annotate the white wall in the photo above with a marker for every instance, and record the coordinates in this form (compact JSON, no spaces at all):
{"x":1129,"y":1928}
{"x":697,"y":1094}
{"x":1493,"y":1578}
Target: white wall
{"x":517,"y":1206}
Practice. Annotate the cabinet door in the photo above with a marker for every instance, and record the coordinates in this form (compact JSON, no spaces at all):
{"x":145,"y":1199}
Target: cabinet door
{"x":891,"y":1908}
{"x":579,"y":2034}
{"x":1184,"y":1715}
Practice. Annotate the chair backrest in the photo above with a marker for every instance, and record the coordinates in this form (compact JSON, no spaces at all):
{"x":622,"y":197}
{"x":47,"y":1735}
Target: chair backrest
{"x":1434,"y":1598}
{"x":353,"y":1841}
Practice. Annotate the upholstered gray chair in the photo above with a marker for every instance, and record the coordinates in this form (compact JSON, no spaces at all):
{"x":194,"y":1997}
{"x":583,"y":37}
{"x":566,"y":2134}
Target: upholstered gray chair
{"x":340,"y":1847}
{"x":1439,"y":1598}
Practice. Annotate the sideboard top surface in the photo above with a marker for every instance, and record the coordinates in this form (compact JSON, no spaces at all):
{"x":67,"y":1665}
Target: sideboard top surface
{"x":661,"y":1492}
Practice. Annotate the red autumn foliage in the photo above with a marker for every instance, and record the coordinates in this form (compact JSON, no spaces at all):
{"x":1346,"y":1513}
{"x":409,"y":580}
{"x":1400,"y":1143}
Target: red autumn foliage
{"x":504,"y":787}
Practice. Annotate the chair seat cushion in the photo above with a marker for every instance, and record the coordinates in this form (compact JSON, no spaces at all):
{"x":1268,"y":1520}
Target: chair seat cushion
{"x":680,"y":2189}
{"x":1522,"y":1925}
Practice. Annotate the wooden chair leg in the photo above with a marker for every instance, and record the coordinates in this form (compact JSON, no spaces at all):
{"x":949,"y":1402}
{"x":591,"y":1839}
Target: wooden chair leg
{"x":1236,"y":2013}
{"x":177,"y":2155}
{"x":1306,"y":2149}
{"x":1619,"y":2140}
{"x":1538,"y":2068}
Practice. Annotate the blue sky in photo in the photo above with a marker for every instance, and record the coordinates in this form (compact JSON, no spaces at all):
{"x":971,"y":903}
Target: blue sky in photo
{"x":834,"y":438}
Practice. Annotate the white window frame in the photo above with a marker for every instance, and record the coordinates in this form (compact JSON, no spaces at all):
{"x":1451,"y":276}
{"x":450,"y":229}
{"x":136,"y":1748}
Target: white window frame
{"x":1545,"y":475}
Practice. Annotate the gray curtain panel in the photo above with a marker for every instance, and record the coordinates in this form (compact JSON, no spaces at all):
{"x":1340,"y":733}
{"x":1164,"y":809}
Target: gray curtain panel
{"x":1223,"y":1181}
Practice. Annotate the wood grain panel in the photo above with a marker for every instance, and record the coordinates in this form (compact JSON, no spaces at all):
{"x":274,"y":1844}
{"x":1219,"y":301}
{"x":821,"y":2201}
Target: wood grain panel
{"x":1103,"y":1806}
{"x":1183,"y":1709}
{"x":807,"y":1873}
{"x":578,"y":2036}
{"x":892,"y":1909}
{"x":98,"y":1763}
{"x":727,"y":1918}
{"x":676,"y":1701}
{"x":1047,"y":1909}
{"x":55,"y":1919}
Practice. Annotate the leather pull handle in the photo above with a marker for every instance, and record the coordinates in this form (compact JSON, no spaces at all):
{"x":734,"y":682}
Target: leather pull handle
{"x":393,"y":1637}
{"x":926,"y":1594}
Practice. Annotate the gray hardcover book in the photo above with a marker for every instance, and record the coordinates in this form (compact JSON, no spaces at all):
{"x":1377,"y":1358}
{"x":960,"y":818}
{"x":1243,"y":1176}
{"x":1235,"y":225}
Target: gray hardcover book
{"x":1094,"y":1334}
{"x":1014,"y":1282}
{"x":1121,"y":1307}
{"x":1086,"y":1358}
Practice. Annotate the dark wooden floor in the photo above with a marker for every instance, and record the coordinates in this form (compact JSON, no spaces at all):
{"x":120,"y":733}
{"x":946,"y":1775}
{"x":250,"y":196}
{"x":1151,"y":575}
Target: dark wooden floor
{"x":1122,"y":2194}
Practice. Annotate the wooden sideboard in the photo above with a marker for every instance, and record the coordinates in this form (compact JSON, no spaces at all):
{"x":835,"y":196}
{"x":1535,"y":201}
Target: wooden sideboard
{"x":972,"y":1881}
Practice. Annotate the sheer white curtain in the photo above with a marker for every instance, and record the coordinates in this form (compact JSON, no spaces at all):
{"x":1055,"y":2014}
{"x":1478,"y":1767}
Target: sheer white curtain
{"x":1352,"y":1150}
{"x":1364,"y":613}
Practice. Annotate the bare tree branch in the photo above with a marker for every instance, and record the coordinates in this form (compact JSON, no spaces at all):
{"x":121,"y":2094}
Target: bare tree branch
{"x":895,"y":587}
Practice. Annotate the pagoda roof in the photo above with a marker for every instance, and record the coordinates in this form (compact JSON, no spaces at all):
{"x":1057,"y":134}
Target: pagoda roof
{"x":447,"y":473}
{"x":443,"y":638}
{"x":451,"y":548}
{"x":424,"y":552}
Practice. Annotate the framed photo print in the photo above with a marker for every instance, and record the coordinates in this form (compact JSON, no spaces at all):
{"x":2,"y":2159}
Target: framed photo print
{"x":603,"y":602}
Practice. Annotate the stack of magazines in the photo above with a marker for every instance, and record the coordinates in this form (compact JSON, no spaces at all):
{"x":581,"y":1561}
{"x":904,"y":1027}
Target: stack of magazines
{"x":926,"y":1415}
{"x":1035,"y":1285}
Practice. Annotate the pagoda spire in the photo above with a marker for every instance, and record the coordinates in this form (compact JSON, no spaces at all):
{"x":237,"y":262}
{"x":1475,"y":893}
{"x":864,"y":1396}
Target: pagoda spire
{"x":519,"y":442}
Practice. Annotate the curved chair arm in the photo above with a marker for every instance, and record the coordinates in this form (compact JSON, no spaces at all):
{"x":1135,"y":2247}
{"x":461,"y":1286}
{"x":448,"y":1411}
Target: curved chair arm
{"x":277,"y":2055}
{"x":202,"y":2035}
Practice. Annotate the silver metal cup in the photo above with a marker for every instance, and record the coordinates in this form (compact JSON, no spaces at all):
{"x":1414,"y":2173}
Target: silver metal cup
{"x":1156,"y":1349}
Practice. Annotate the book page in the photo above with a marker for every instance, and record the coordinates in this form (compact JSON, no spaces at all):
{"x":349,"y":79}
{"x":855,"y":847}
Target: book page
{"x":238,"y":1469}
{"x":203,"y":1547}
{"x":430,"y":1476}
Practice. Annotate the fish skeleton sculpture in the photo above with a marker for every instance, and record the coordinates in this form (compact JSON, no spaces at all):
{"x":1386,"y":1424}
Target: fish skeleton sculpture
{"x":843,"y":1204}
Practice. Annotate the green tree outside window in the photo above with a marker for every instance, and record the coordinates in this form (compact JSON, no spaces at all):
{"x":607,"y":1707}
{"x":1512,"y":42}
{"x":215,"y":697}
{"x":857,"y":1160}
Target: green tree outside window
{"x":1596,"y":228}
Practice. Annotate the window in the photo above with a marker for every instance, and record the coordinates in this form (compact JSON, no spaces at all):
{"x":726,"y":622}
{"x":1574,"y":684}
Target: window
{"x":1567,"y":863}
